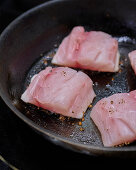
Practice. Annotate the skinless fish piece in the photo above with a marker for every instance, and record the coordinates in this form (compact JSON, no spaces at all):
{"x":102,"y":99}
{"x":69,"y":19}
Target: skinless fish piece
{"x":132,"y":57}
{"x":115,"y":117}
{"x":61,"y":90}
{"x":94,"y":50}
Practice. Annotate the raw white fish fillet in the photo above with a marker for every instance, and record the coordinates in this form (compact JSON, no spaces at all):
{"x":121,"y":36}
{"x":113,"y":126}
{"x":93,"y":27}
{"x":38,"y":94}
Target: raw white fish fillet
{"x":132,"y":57}
{"x":61,"y":90}
{"x":115,"y":117}
{"x":94,"y":50}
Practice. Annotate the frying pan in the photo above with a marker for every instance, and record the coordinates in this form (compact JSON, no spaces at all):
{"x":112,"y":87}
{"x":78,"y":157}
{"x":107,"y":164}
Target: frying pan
{"x":27,"y":46}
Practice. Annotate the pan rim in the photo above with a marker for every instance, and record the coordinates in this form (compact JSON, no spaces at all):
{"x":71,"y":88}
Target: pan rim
{"x":85,"y":147}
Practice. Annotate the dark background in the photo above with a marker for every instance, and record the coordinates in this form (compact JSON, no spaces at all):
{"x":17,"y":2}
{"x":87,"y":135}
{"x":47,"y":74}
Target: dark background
{"x":19,"y":144}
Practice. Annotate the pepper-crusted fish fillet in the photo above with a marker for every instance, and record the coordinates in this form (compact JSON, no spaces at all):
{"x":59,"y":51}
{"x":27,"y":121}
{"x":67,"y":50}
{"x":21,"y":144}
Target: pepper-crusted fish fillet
{"x":115,"y":117}
{"x":61,"y":90}
{"x":94,"y":50}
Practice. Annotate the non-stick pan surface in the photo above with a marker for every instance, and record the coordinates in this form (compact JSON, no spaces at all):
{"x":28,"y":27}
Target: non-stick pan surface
{"x":28,"y":45}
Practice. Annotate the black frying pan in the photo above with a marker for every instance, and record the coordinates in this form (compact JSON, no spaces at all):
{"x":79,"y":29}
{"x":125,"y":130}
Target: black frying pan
{"x":33,"y":38}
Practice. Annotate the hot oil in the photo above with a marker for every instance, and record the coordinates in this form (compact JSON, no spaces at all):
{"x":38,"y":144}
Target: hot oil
{"x":104,"y":84}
